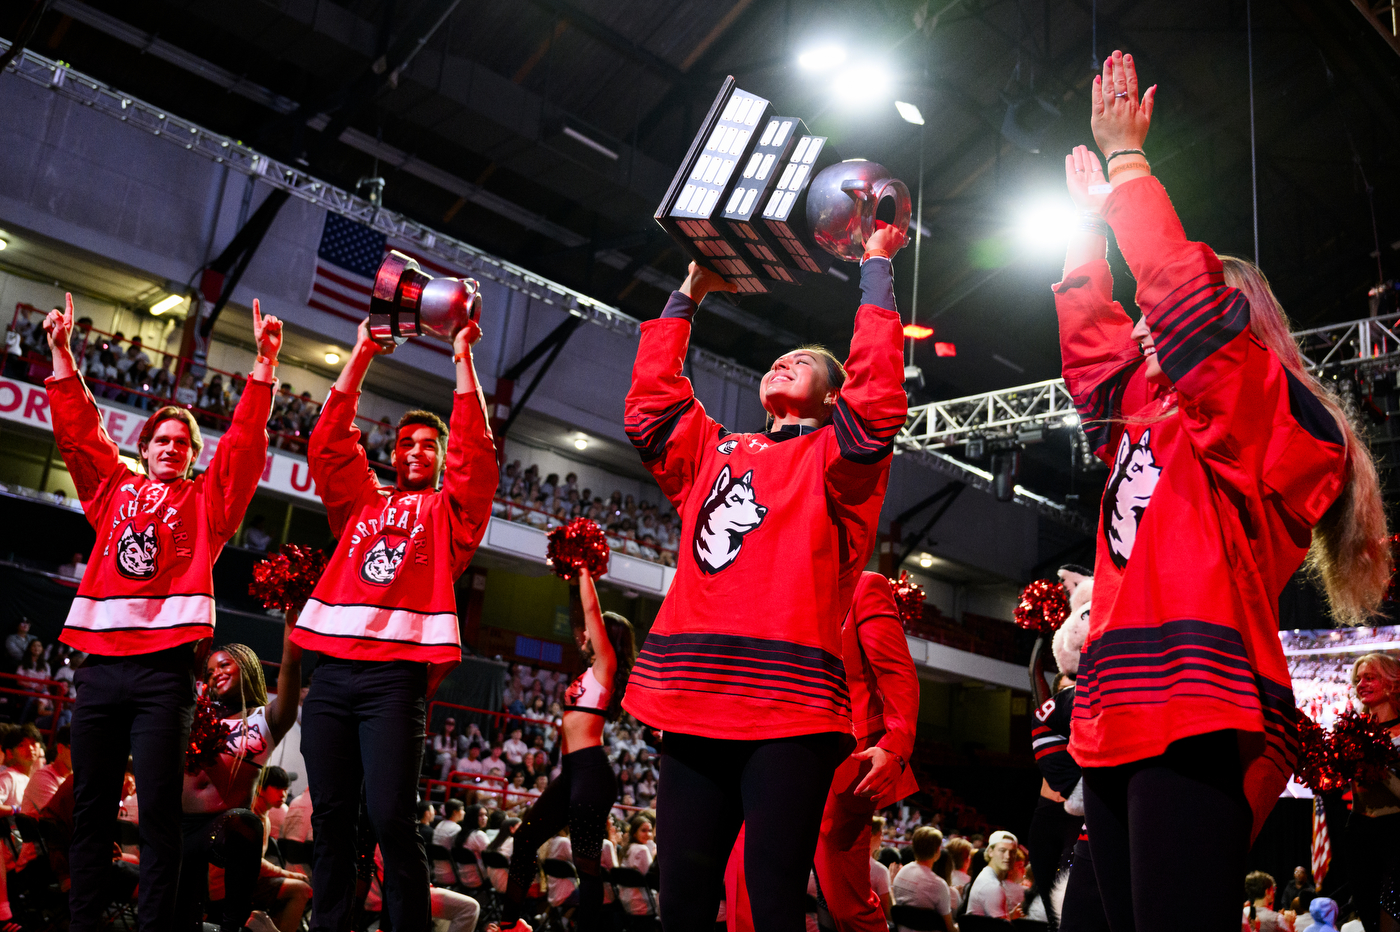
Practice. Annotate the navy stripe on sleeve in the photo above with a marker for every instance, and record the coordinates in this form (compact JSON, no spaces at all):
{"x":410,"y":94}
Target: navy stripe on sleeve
{"x":862,"y":441}
{"x":679,"y":306}
{"x":650,"y":431}
{"x":1195,"y":321}
{"x":877,"y":282}
{"x":1099,"y":405}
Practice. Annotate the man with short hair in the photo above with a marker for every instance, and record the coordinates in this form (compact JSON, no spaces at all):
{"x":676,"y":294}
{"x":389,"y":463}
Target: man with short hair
{"x":144,"y":602}
{"x":425,"y":813}
{"x":493,"y":766}
{"x":16,"y":643}
{"x":384,"y":618}
{"x":917,"y":885}
{"x":515,"y":749}
{"x":48,"y":778}
{"x":991,"y":894}
{"x":443,"y":834}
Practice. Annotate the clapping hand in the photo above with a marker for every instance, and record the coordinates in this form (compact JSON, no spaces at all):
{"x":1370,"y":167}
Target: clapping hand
{"x":1084,"y":178}
{"x":1119,"y":120}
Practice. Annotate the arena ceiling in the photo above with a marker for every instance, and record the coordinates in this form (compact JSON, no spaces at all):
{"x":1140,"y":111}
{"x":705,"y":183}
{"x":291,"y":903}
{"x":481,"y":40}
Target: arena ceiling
{"x":478,"y":134}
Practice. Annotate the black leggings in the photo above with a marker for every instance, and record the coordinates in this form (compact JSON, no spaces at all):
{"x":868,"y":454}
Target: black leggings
{"x":1374,"y":867}
{"x":1149,"y":819}
{"x":580,"y":799}
{"x":231,"y":839}
{"x":1052,"y":837}
{"x":710,"y":787}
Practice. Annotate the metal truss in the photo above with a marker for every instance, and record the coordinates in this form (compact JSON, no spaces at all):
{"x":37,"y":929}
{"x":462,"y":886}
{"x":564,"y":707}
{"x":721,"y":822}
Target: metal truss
{"x":297,"y":182}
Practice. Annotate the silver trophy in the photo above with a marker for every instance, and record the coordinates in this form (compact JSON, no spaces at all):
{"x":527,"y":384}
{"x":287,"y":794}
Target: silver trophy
{"x":407,"y":302}
{"x":842,"y":201}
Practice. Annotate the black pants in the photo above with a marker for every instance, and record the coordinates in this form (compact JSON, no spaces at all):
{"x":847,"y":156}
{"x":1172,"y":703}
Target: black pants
{"x":1374,"y":867}
{"x":580,"y":799}
{"x":1082,"y":910}
{"x":232,"y":840}
{"x":1151,"y":819}
{"x":363,"y":727}
{"x":139,"y":706}
{"x":1052,"y":837}
{"x":709,"y":788}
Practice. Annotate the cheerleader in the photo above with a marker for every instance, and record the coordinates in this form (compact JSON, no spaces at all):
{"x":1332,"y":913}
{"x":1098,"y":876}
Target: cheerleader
{"x":742,"y":669}
{"x":1227,"y":459}
{"x":1374,"y":826}
{"x":145,"y":600}
{"x":586,"y":787}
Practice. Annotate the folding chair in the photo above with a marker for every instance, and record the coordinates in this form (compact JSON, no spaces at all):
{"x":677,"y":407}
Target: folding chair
{"x":628,"y":878}
{"x":557,"y":869}
{"x":918,"y":919}
{"x":436,"y":854}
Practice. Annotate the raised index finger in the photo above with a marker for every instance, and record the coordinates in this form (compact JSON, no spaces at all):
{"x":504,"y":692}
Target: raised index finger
{"x":257,"y":314}
{"x":68,"y":303}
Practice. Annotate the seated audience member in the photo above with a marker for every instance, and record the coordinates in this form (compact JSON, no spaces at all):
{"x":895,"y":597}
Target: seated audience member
{"x":443,"y":835}
{"x":47,"y":779}
{"x":424,"y":812}
{"x":515,"y":749}
{"x":517,"y":793}
{"x":472,"y":763}
{"x":1300,"y":888}
{"x":917,"y":884}
{"x":297,"y":824}
{"x":960,"y":856}
{"x":637,"y":854}
{"x":16,"y":644}
{"x":504,"y":844}
{"x":448,"y":745}
{"x":559,"y":891}
{"x":992,"y":893}
{"x":879,"y":874}
{"x":282,"y":894}
{"x":494,"y":766}
{"x":1259,"y":914}
{"x":74,"y":568}
{"x":471,"y":838}
{"x":458,"y":910}
{"x":255,"y":537}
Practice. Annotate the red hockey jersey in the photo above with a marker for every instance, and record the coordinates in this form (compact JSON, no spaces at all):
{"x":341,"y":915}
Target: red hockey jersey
{"x":149,"y":584}
{"x":388,"y":591}
{"x":881,"y":677}
{"x":1213,"y":490}
{"x":775,"y":529}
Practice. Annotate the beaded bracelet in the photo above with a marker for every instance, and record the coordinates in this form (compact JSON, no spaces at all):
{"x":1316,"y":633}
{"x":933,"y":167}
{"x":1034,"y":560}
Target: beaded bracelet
{"x":1117,"y":152}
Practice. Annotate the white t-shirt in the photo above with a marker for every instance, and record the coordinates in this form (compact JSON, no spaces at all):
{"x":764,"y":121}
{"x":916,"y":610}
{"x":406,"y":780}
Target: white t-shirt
{"x":634,"y":900}
{"x":918,"y":886}
{"x":297,"y":824}
{"x":990,"y":896}
{"x":500,"y":876}
{"x":42,"y":787}
{"x":514,"y":751}
{"x":467,"y":872}
{"x":443,"y":834}
{"x":559,"y":888}
{"x":13,"y":783}
{"x":879,"y":878}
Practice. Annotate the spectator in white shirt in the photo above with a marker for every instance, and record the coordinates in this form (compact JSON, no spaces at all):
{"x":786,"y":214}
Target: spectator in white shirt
{"x":515,"y":749}
{"x":918,"y":885}
{"x":297,"y":825}
{"x":47,"y":779}
{"x":495,"y":767}
{"x":992,"y":893}
{"x":443,"y":836}
{"x":879,"y":874}
{"x":75,"y":568}
{"x":504,"y":842}
{"x":448,"y":745}
{"x":637,"y":854}
{"x":472,"y":838}
{"x":472,"y":763}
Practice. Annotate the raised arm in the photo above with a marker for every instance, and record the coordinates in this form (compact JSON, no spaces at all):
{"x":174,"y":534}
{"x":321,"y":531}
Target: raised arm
{"x":239,"y":460}
{"x":282,"y":708}
{"x":663,"y":419}
{"x":92,"y":458}
{"x":604,"y":658}
{"x":338,"y":463}
{"x":469,"y":479}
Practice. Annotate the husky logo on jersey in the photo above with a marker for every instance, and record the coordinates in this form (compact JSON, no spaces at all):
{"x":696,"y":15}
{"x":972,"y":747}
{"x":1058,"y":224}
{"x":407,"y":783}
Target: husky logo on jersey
{"x":246,"y":739}
{"x":381,"y":563}
{"x":136,"y":552}
{"x":727,"y":447}
{"x":1135,"y":474}
{"x":729,"y":513}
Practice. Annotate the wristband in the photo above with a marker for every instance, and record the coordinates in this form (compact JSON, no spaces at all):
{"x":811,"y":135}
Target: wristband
{"x":874,"y":254}
{"x":263,"y":360}
{"x":1090,"y":222}
{"x":1127,"y":167}
{"x":1117,"y":152}
{"x":462,"y":357}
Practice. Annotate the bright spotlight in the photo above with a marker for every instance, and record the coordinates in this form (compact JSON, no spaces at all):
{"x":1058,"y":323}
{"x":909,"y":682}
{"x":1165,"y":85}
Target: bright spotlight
{"x":165,"y":304}
{"x":580,"y":443}
{"x":862,"y":82}
{"x":909,"y":112}
{"x":926,"y":560}
{"x":332,"y":358}
{"x":3,"y":244}
{"x":1071,"y":420}
{"x":1047,"y":226}
{"x":822,"y":58}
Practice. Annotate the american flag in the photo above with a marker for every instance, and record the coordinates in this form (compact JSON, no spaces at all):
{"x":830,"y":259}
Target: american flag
{"x":346,"y":261}
{"x":1321,"y":846}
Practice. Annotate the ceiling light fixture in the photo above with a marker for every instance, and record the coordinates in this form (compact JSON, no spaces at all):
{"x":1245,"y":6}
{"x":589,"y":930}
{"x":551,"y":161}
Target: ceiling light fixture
{"x":861,"y":83}
{"x":1046,"y":226}
{"x":332,"y":358}
{"x":593,"y":144}
{"x":917,"y":331}
{"x":165,"y":304}
{"x":580,"y":443}
{"x":822,"y":57}
{"x":926,"y":560}
{"x":3,"y":244}
{"x":909,"y":112}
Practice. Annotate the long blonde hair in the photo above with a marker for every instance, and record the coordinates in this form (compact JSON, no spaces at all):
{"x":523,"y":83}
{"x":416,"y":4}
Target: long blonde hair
{"x":1350,"y":552}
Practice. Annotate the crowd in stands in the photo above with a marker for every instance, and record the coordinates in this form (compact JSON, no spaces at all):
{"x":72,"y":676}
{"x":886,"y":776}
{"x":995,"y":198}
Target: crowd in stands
{"x":43,"y":673}
{"x":636,"y":528}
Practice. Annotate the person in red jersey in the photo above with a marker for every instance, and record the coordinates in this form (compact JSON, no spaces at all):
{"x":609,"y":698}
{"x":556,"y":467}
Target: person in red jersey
{"x":1229,"y":464}
{"x":145,"y":600}
{"x":384,"y":619}
{"x":884,"y":712}
{"x":742,"y":669}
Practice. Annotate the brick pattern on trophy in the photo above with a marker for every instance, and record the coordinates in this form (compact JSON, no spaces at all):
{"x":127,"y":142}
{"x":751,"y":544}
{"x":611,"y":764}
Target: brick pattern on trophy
{"x":785,"y":213}
{"x":761,"y":173}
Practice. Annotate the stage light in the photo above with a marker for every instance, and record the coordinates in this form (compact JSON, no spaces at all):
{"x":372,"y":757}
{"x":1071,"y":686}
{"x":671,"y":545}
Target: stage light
{"x":926,"y":560}
{"x":3,"y":244}
{"x":917,"y":331}
{"x":1046,"y":226}
{"x":332,"y":358}
{"x":861,"y":83}
{"x":1071,"y":420}
{"x":945,"y":349}
{"x":909,"y":112}
{"x":165,"y":304}
{"x":822,"y":57}
{"x":591,"y":143}
{"x":580,"y":443}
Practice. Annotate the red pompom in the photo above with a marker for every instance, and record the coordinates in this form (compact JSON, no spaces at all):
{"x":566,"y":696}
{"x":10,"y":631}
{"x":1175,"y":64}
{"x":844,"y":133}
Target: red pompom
{"x":208,"y":736}
{"x":1315,"y":768}
{"x":909,"y":595}
{"x":580,"y":543}
{"x":284,"y":581}
{"x":1357,"y":750}
{"x":1043,"y":606}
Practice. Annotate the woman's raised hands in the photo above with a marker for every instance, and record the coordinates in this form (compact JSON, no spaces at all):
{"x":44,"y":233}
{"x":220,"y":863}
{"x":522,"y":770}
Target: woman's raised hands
{"x":1084,"y":178}
{"x":1118,"y":118}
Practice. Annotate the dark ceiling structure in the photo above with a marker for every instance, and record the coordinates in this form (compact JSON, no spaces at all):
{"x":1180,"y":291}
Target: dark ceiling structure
{"x":546,"y":131}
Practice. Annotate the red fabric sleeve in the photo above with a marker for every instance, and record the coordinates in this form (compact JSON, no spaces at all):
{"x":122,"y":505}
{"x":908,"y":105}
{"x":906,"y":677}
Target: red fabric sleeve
{"x":882,"y":641}
{"x":469,"y":475}
{"x":92,"y":458}
{"x":872,"y":406}
{"x":338,"y":463}
{"x":1097,"y":352}
{"x":663,"y":419}
{"x":1249,"y":417}
{"x":238,"y":462}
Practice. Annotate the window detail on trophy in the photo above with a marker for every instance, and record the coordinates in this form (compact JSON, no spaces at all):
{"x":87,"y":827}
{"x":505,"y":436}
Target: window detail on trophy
{"x":784,"y":211}
{"x":750,"y":193}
